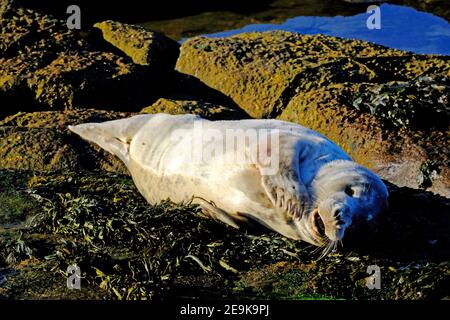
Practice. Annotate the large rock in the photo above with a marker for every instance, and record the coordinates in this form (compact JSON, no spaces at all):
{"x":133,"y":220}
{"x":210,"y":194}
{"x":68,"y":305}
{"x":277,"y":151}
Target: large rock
{"x":142,"y":46}
{"x":47,"y":66}
{"x":77,"y":79}
{"x":387,"y":108}
{"x":28,"y":42}
{"x":88,"y":79}
{"x":24,"y":30}
{"x":260,"y":71}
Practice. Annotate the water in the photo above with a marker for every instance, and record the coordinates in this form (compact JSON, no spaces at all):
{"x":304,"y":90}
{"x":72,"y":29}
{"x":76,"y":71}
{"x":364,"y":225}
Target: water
{"x":401,"y":28}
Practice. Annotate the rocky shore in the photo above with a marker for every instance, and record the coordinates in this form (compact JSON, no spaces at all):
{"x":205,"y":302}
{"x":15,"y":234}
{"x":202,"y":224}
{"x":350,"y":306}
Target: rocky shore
{"x":64,"y":201}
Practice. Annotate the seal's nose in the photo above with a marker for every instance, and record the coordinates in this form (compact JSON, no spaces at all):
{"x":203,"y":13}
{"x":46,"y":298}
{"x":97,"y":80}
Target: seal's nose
{"x":336,"y":213}
{"x":334,"y":223}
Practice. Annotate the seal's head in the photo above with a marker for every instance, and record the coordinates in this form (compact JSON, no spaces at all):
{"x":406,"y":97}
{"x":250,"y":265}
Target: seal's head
{"x":342,"y":191}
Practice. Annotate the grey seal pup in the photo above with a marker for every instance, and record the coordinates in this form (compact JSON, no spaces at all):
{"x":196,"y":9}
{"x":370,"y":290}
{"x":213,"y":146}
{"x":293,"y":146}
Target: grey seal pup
{"x":289,"y":178}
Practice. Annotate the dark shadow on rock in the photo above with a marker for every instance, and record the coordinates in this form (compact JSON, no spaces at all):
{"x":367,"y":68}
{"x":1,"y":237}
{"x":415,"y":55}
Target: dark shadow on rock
{"x":415,"y":227}
{"x":181,"y":86}
{"x":92,"y":157}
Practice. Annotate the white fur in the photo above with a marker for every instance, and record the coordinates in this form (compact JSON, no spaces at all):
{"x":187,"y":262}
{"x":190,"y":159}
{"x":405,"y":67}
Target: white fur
{"x":313,"y":175}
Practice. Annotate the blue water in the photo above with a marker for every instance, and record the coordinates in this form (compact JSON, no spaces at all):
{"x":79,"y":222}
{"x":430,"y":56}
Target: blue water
{"x":401,"y":27}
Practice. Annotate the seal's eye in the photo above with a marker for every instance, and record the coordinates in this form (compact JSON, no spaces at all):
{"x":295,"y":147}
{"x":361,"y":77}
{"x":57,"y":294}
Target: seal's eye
{"x":349,"y":191}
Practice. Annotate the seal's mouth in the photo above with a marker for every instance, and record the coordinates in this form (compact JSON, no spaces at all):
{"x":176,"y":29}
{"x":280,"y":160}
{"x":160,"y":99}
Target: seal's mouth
{"x":318,"y":224}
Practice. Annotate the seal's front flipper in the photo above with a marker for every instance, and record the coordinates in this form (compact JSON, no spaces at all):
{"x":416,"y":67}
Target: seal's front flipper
{"x":113,"y":136}
{"x":280,"y":177}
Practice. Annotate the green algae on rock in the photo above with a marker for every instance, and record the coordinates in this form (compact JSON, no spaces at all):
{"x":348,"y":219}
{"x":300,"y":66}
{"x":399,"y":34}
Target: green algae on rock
{"x":144,"y":47}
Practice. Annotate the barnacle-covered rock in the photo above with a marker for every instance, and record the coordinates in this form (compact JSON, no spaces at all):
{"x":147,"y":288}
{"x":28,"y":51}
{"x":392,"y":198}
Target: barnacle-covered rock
{"x":421,"y":103}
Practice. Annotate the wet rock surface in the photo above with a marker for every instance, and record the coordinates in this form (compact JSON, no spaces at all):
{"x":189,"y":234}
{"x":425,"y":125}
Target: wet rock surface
{"x":64,"y":201}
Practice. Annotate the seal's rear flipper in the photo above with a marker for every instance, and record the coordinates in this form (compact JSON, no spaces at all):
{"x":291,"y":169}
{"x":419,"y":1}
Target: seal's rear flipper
{"x":113,"y":136}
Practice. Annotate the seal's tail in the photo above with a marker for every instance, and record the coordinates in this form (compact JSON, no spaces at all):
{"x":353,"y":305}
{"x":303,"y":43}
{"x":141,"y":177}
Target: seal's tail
{"x":113,"y":136}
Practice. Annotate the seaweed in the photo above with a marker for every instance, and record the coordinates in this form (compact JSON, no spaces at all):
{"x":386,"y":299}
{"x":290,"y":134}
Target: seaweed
{"x":421,"y":103}
{"x":129,"y":249}
{"x":136,"y":250}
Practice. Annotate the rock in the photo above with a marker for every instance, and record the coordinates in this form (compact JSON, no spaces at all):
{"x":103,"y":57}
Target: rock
{"x":188,"y":88}
{"x":47,"y":66}
{"x":330,"y":85}
{"x":28,"y":42}
{"x":142,"y":46}
{"x":205,"y":109}
{"x":396,"y":155}
{"x":24,"y":31}
{"x":72,"y":80}
{"x":260,"y":71}
{"x":41,"y":141}
{"x":87,"y":79}
{"x":14,"y":74}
